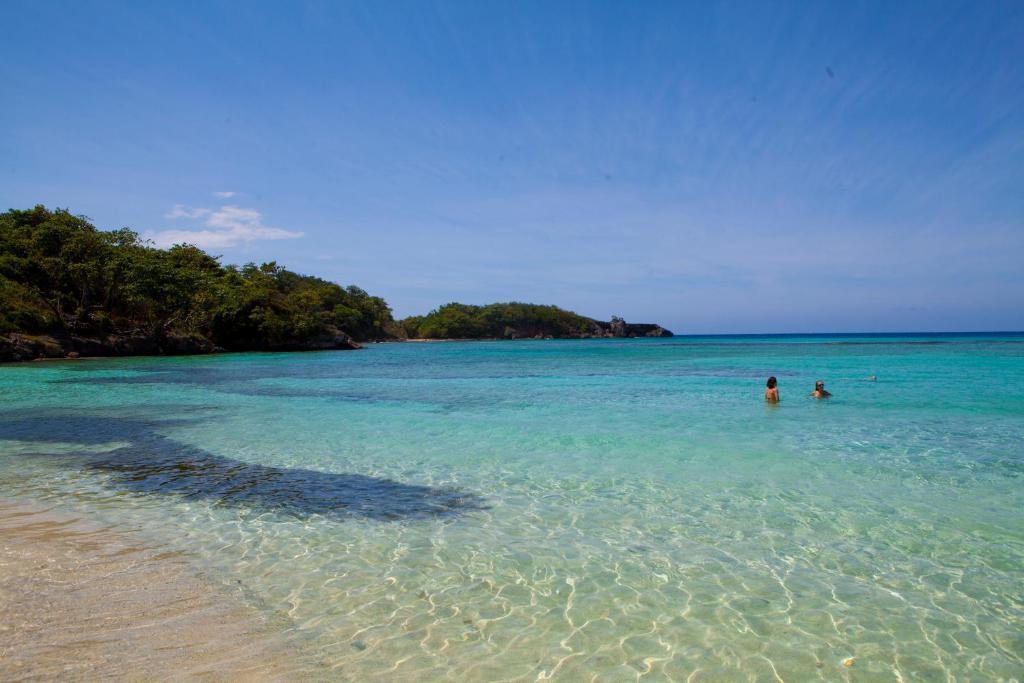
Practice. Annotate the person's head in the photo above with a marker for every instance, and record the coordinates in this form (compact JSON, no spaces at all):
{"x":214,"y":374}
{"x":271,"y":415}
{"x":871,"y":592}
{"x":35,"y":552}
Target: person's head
{"x":819,"y":386}
{"x":771,"y":382}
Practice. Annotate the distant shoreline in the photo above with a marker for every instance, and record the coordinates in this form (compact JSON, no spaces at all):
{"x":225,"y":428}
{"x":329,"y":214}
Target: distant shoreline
{"x":420,"y":340}
{"x":23,"y":348}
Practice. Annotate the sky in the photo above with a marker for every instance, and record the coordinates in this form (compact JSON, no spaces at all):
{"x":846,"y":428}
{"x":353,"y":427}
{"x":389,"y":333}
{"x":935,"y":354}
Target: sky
{"x":713,"y":167}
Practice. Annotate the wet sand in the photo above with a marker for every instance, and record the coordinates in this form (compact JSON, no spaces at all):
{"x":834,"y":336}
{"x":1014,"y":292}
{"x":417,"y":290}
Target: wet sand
{"x":80,"y":601}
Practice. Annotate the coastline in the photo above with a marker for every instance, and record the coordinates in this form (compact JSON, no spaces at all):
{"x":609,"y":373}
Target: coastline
{"x":352,"y":346}
{"x":19,"y":347}
{"x":84,"y":601}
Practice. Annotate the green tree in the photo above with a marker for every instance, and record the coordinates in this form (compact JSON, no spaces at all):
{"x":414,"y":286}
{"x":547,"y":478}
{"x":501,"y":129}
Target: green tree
{"x":58,"y":273}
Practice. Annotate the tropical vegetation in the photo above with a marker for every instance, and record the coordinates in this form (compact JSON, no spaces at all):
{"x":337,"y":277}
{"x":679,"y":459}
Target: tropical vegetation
{"x":495,"y":321}
{"x":59,"y":274}
{"x":68,"y":288}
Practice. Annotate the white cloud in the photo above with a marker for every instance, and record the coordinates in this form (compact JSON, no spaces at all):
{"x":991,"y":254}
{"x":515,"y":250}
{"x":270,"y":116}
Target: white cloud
{"x":223,"y":227}
{"x":182,"y":211}
{"x":224,"y":195}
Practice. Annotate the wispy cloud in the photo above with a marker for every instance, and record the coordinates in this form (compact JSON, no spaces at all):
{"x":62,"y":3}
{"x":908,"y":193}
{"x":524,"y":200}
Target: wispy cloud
{"x":182,"y":211}
{"x":227,"y":226}
{"x":224,"y":194}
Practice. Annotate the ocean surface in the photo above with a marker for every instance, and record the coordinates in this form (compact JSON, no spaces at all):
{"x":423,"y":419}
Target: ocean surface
{"x":573,"y":510}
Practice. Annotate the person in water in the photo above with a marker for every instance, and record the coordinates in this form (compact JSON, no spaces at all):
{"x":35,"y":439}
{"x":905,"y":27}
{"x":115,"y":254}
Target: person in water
{"x":819,"y":390}
{"x":771,"y":393}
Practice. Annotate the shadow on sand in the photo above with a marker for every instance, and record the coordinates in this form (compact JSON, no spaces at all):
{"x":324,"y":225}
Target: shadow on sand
{"x":155,"y":464}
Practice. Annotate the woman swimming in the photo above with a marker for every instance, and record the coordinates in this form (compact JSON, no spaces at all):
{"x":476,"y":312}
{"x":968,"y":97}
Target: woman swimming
{"x":771,"y":393}
{"x":819,"y":390}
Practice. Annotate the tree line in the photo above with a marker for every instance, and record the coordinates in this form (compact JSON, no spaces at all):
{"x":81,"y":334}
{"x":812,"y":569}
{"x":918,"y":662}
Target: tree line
{"x":109,"y":292}
{"x":60,"y":274}
{"x":497,"y":321}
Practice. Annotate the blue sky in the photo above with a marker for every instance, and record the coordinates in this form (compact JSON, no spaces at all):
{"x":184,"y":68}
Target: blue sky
{"x":715,"y":167}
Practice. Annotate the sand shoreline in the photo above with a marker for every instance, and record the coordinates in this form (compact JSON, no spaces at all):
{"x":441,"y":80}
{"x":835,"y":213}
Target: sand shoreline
{"x":83,"y":601}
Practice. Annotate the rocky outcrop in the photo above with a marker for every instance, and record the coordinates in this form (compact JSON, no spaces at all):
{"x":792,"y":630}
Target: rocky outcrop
{"x":22,"y":347}
{"x":616,"y":328}
{"x":620,"y":328}
{"x":15,"y":347}
{"x":331,"y":340}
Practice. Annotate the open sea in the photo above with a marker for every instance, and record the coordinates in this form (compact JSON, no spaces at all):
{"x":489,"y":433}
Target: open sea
{"x":606,"y":510}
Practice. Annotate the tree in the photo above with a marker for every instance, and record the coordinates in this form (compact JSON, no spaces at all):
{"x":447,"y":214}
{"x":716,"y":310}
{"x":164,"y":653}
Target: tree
{"x":58,"y":273}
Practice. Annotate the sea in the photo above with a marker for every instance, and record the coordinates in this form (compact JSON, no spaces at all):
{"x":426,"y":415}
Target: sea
{"x":577,"y":510}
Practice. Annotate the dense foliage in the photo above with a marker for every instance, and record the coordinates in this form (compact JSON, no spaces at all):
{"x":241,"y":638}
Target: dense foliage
{"x":461,"y":321}
{"x":58,"y":273}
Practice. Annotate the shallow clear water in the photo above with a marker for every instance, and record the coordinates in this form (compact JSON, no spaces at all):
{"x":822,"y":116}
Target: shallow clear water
{"x":605,"y":509}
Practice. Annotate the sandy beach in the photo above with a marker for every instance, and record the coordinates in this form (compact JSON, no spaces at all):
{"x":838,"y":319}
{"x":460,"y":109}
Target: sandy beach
{"x":85,"y":602}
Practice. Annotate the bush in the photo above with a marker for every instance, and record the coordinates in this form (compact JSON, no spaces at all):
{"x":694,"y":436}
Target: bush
{"x":461,"y":321}
{"x":59,"y":273}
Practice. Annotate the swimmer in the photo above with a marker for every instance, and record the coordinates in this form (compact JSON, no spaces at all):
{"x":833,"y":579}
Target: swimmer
{"x":771,"y":393}
{"x":819,"y":390}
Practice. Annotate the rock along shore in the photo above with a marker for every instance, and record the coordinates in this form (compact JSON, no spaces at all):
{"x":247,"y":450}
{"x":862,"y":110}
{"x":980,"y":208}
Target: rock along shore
{"x":22,"y":347}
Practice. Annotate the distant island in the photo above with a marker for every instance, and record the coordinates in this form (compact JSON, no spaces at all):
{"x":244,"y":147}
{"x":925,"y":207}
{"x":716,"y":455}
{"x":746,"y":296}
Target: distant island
{"x":519,"y":321}
{"x":68,"y":289}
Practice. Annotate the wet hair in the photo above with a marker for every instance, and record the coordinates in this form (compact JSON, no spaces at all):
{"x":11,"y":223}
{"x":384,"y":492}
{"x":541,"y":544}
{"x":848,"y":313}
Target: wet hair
{"x":819,"y":383}
{"x":771,"y":382}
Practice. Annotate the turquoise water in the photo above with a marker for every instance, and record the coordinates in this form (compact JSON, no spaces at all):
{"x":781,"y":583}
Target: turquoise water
{"x":577,"y":510}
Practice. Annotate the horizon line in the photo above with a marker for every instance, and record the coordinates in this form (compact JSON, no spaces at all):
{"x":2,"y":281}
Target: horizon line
{"x":851,"y":334}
